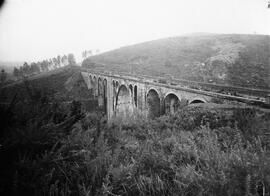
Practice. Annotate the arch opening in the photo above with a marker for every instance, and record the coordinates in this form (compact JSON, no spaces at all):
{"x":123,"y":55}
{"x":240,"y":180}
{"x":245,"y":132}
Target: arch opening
{"x":105,"y":95}
{"x":123,"y":101}
{"x":171,"y":103}
{"x":153,"y":103}
{"x":130,"y":88}
{"x":100,"y":87}
{"x":195,"y":101}
{"x":105,"y":88}
{"x":135,"y":95}
{"x":91,"y":89}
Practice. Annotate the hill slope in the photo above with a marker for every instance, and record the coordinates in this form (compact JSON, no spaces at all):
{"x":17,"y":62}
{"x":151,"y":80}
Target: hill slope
{"x":65,"y":83}
{"x":226,"y":59}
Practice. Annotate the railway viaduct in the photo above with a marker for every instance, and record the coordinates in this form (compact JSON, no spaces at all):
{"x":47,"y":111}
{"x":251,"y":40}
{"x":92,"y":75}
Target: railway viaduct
{"x":122,"y":94}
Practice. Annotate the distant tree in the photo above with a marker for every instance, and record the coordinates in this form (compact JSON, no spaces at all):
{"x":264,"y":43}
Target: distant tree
{"x":50,"y":62}
{"x":47,"y":64}
{"x":3,"y":76}
{"x":59,"y":60}
{"x":64,"y":60}
{"x":34,"y":68}
{"x":84,"y":54}
{"x":26,"y":70}
{"x":39,"y":66}
{"x":71,"y":59}
{"x":21,"y":71}
{"x":55,"y":62}
{"x":16,"y":72}
{"x":44,"y":65}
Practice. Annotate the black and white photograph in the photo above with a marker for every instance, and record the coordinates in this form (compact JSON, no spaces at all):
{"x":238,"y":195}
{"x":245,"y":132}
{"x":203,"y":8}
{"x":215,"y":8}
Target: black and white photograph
{"x":134,"y":98}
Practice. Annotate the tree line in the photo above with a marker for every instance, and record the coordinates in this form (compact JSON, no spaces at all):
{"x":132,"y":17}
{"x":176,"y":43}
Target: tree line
{"x":44,"y":65}
{"x":88,"y":53}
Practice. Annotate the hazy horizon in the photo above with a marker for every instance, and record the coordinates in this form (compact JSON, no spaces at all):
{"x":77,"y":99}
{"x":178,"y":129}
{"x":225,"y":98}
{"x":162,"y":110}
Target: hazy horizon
{"x":33,"y":30}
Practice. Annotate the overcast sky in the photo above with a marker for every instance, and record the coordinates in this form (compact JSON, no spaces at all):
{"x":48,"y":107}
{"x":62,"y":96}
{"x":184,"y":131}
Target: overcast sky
{"x":32,"y":30}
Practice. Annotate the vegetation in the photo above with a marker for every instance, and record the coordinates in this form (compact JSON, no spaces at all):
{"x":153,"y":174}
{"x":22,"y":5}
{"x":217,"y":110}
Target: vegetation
{"x":71,"y":59}
{"x":225,"y":59}
{"x":50,"y":148}
{"x":65,"y":83}
{"x":3,"y":76}
{"x":52,"y":143}
{"x":43,"y":66}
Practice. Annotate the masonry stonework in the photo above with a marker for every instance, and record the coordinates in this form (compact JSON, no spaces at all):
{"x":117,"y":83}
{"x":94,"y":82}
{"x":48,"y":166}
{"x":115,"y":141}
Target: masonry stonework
{"x":122,"y":95}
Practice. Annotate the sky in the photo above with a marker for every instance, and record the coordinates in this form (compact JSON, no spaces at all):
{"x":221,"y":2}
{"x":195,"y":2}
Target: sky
{"x":34,"y":30}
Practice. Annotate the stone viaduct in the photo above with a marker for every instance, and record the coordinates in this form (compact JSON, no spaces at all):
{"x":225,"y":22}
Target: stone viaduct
{"x":122,"y":95}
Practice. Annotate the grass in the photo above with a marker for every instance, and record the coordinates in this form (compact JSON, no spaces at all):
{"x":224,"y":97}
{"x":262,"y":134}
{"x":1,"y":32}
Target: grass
{"x":196,"y":151}
{"x":53,"y":82}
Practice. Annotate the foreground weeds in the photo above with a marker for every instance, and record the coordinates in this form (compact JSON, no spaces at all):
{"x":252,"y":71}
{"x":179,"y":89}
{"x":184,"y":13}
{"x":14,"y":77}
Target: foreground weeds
{"x":194,"y":152}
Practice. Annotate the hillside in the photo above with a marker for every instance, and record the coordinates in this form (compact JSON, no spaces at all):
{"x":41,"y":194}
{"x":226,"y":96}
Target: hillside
{"x":65,"y":84}
{"x":225,"y":59}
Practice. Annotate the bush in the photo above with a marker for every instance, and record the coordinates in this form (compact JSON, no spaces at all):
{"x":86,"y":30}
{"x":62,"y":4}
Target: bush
{"x":193,"y":152}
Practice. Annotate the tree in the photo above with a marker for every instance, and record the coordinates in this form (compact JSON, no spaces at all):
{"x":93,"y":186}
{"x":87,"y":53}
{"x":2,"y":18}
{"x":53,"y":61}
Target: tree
{"x":3,"y":76}
{"x":34,"y":68}
{"x":26,"y":70}
{"x":71,"y":59}
{"x":59,"y":60}
{"x":44,"y":65}
{"x":16,"y":72}
{"x":64,"y":60}
{"x":84,"y":54}
{"x":39,"y":66}
{"x":55,"y":62}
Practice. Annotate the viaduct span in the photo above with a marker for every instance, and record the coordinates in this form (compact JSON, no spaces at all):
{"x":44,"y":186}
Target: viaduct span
{"x":122,"y":94}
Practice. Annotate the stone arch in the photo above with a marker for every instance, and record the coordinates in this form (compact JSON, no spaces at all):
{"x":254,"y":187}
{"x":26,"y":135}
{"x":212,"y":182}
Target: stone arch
{"x":90,"y":83}
{"x":153,"y":103}
{"x":131,"y":91}
{"x":156,"y":90}
{"x":100,"y":86}
{"x":197,"y":100}
{"x":91,"y":80}
{"x":123,"y":100}
{"x":171,"y":103}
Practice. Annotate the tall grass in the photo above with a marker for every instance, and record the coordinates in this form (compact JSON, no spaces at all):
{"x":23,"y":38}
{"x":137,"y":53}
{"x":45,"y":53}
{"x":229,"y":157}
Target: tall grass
{"x":193,"y":152}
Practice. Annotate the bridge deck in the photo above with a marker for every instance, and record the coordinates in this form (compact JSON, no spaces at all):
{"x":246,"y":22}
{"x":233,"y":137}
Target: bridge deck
{"x":254,"y":95}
